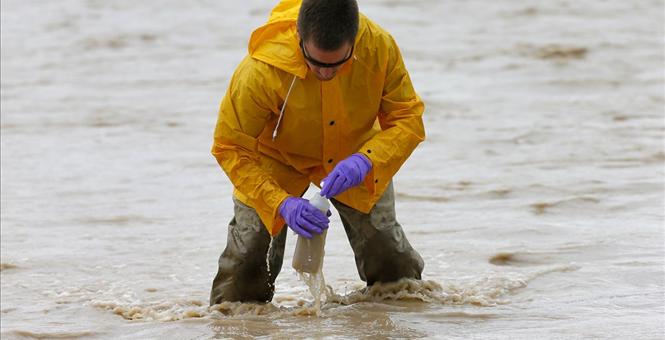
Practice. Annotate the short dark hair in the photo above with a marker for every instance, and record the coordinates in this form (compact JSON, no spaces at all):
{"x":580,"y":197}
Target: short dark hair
{"x":328,"y":23}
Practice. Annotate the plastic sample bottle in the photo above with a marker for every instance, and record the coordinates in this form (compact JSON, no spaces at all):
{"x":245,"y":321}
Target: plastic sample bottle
{"x":308,"y":256}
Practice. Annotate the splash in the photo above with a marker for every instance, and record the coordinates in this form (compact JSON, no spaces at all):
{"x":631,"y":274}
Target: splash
{"x":488,"y":291}
{"x":158,"y":311}
{"x":317,"y":286}
{"x":272,"y":238}
{"x":185,"y":309}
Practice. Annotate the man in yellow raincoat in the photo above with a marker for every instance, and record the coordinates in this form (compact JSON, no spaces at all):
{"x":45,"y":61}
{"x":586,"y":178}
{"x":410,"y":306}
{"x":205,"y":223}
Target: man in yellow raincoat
{"x":323,"y":95}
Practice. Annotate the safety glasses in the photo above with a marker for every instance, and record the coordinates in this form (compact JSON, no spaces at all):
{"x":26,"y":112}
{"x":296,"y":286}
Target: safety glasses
{"x":322,"y":64}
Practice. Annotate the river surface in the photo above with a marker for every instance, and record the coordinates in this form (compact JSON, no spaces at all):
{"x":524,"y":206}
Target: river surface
{"x":537,"y":200}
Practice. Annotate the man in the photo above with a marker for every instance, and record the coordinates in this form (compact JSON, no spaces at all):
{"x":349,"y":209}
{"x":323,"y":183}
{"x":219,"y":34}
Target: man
{"x":322,"y":96}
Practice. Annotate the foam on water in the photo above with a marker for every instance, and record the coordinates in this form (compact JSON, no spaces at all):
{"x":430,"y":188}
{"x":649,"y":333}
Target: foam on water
{"x":158,"y":311}
{"x":487,"y":291}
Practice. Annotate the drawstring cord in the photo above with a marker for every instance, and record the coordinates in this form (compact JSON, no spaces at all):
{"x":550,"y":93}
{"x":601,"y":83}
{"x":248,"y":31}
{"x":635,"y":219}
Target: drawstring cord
{"x":281,"y":112}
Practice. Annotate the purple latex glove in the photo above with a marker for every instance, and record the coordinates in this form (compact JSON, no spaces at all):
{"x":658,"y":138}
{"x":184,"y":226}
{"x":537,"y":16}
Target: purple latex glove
{"x":346,"y":174}
{"x":303,"y":217}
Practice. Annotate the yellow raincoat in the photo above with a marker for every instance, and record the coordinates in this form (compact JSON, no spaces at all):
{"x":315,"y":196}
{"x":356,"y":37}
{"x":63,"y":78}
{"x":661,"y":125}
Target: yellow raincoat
{"x":369,"y":107}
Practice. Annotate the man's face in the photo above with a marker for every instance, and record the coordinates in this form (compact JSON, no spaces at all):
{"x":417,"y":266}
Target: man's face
{"x":325,"y":64}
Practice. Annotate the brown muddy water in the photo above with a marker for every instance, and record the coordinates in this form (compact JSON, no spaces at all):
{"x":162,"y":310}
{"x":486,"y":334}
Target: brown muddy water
{"x":537,"y":200}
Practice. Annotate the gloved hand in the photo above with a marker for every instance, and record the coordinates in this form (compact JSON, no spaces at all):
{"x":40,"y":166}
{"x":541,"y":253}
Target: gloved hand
{"x":302,"y":217}
{"x":346,"y":174}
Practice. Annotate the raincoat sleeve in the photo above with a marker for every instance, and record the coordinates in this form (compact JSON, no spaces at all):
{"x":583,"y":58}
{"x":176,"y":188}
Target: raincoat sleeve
{"x":243,"y":114}
{"x":400,"y":117}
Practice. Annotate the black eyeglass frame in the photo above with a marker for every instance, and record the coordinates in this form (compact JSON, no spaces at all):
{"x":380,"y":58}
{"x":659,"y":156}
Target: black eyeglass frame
{"x":322,"y":64}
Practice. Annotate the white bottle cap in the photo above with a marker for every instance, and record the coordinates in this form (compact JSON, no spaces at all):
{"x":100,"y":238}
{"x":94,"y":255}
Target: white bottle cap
{"x":320,"y":202}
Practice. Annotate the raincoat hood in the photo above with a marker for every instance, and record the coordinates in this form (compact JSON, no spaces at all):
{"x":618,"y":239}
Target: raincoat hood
{"x":276,"y":42}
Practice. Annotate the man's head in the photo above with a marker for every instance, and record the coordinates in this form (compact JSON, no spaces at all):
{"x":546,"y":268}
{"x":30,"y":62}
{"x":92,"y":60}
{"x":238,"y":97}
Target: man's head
{"x":327,"y":30}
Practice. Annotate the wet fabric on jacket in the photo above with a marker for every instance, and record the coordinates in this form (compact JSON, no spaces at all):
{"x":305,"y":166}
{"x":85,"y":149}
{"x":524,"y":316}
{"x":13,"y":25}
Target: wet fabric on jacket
{"x":369,"y":107}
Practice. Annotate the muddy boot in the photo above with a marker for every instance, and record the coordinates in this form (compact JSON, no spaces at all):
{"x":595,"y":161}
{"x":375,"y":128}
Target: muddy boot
{"x":243,"y":274}
{"x":382,"y":252}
